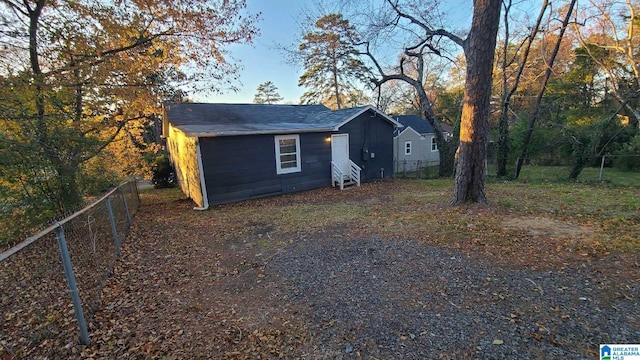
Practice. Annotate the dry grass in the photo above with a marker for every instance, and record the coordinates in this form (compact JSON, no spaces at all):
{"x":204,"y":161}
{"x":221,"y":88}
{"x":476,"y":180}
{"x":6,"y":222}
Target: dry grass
{"x":197,"y":284}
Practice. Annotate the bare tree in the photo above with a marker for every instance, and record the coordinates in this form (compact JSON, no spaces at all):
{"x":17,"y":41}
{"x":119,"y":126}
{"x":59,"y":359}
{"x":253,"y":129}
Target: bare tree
{"x":411,"y":70}
{"x":509,"y":89}
{"x":536,"y":108}
{"x":612,"y":28}
{"x":479,"y":50}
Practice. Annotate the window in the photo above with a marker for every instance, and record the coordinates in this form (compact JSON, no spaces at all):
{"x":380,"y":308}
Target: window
{"x":407,"y":147}
{"x":287,"y":154}
{"x":434,"y":144}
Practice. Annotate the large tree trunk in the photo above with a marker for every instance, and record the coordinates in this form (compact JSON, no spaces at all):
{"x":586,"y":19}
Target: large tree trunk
{"x":474,"y":124}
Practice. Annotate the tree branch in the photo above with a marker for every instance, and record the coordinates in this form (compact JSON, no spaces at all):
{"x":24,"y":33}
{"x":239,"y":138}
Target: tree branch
{"x":429,"y":31}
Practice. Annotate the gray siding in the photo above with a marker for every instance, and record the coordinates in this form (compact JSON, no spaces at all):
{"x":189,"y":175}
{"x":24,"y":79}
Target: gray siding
{"x":370,"y":145}
{"x":421,"y":153}
{"x":243,"y":167}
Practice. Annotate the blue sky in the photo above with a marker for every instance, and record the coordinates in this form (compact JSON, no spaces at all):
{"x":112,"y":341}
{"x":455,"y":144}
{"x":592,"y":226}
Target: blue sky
{"x":262,"y":61}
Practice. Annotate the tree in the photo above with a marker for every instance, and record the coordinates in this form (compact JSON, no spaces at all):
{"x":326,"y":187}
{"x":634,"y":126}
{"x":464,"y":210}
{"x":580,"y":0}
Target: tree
{"x":508,"y":57}
{"x":474,"y":125}
{"x":267,"y":93}
{"x":77,"y":74}
{"x":331,"y":63}
{"x":479,"y":49}
{"x":412,"y":69}
{"x":536,"y":108}
{"x":611,"y":34}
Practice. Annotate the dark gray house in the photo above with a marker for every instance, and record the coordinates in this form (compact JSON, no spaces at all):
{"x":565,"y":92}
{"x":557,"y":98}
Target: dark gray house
{"x":230,"y":152}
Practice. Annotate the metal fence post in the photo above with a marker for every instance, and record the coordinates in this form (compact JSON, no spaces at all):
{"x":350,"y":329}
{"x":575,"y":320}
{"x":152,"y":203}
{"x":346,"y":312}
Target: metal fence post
{"x":71,"y":281}
{"x":114,"y":229}
{"x":126,"y":207}
{"x":134,"y":192}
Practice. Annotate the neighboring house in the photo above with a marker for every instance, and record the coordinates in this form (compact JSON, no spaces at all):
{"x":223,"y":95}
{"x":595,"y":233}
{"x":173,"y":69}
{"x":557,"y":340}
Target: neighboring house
{"x":231,"y":152}
{"x":447,"y":131}
{"x":414,"y":144}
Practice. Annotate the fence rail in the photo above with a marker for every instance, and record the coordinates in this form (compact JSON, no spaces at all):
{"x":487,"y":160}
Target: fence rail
{"x":419,"y":169}
{"x":51,"y":283}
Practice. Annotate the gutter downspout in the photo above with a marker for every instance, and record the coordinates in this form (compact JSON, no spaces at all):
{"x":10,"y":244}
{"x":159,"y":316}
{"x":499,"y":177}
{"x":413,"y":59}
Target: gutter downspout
{"x":203,"y":185}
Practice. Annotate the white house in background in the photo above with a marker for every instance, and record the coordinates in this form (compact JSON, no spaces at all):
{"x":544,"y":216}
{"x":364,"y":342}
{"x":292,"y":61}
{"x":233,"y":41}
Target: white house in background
{"x":414,"y":145}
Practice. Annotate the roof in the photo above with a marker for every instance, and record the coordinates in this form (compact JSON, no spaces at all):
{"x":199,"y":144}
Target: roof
{"x":446,"y":128}
{"x":417,"y":123}
{"x":203,"y":120}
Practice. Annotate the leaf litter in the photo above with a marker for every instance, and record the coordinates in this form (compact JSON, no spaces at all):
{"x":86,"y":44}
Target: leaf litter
{"x":388,"y":277}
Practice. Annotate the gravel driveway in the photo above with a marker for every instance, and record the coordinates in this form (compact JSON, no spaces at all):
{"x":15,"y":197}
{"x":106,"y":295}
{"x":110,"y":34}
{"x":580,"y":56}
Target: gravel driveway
{"x":368,"y":273}
{"x":401,"y":299}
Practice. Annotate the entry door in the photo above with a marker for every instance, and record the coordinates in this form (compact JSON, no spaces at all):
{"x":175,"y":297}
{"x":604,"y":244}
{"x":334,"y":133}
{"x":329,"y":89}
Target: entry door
{"x":340,"y":151}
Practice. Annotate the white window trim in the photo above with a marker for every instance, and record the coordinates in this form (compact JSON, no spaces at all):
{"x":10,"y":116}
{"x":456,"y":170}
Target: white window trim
{"x":279,"y":169}
{"x":434,"y":142}
{"x":410,"y":148}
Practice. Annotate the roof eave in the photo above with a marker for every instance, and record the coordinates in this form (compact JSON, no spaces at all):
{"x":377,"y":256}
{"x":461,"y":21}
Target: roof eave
{"x":374,"y":109}
{"x":256,"y":132}
{"x":407,"y":128}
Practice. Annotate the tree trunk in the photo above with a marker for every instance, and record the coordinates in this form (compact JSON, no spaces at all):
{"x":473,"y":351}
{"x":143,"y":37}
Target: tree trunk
{"x":503,"y":123}
{"x":536,"y":108}
{"x":336,"y":85}
{"x":446,"y":162}
{"x":68,"y":197}
{"x":474,"y":124}
{"x":67,"y":190}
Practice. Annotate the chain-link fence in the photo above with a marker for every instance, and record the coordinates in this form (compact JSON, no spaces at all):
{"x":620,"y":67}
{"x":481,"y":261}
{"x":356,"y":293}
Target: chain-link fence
{"x":605,"y":168}
{"x":415,"y":169}
{"x":596,"y":168}
{"x":51,"y":283}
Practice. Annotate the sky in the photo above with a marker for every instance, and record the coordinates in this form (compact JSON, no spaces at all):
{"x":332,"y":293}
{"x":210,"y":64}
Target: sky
{"x":262,"y":61}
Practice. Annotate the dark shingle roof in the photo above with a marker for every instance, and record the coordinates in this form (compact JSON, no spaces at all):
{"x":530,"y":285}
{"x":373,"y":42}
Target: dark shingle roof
{"x":199,"y":119}
{"x":417,"y":123}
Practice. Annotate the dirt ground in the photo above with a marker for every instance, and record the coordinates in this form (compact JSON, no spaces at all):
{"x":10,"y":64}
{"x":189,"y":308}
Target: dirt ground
{"x":278,"y":278}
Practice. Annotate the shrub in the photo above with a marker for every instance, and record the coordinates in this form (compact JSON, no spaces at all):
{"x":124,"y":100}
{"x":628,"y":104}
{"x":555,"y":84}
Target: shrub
{"x":628,"y":157}
{"x":163,"y":174}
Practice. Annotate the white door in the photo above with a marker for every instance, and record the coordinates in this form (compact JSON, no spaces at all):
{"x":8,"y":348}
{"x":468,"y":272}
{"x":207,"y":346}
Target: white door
{"x":340,"y":151}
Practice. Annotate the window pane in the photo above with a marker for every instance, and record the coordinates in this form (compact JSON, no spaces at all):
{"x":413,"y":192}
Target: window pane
{"x":284,"y":142}
{"x":288,"y":149}
{"x":288,"y":158}
{"x":288,"y":154}
{"x":287,"y":146}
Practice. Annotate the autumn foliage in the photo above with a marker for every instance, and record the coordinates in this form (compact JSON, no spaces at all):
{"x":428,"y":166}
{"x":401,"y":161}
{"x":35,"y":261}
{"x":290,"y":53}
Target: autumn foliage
{"x":82,"y":84}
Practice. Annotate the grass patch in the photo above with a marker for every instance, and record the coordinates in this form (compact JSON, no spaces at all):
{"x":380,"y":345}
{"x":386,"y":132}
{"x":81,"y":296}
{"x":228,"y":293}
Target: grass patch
{"x":605,"y":216}
{"x":590,"y":175}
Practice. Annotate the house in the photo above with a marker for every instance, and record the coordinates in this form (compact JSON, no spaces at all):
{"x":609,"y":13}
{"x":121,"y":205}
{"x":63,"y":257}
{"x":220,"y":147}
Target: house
{"x":414,"y":144}
{"x":447,"y":131}
{"x":230,"y":152}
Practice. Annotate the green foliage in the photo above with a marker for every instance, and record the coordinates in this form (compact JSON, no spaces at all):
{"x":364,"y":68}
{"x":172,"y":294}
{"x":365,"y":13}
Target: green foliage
{"x":267,"y":93}
{"x":163,"y":173}
{"x":547,"y":146}
{"x":628,"y":156}
{"x":331,"y":62}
